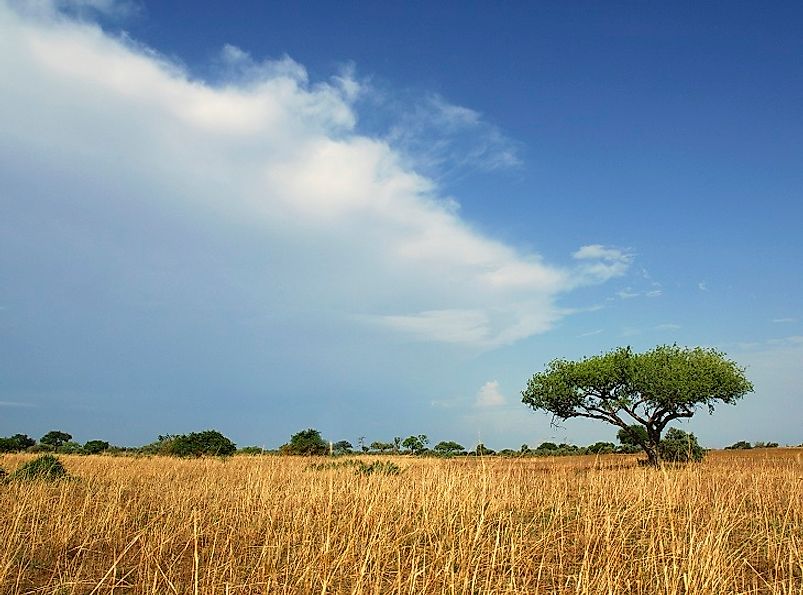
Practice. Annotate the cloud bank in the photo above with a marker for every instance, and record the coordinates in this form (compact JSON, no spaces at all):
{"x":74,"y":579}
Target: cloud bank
{"x":139,"y":188}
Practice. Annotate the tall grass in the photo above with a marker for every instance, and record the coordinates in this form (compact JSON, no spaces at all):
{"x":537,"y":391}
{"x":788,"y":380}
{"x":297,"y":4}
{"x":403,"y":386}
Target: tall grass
{"x":733,"y":524}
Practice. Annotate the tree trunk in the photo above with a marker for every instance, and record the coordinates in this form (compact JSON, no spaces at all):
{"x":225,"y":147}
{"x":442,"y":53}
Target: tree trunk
{"x":653,"y":460}
{"x":651,"y":448}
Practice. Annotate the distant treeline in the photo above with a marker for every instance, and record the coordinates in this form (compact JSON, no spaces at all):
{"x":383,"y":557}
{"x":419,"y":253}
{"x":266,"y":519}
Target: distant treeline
{"x":310,"y":442}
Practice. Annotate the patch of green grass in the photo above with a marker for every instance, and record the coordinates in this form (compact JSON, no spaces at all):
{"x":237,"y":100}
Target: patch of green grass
{"x":45,"y":467}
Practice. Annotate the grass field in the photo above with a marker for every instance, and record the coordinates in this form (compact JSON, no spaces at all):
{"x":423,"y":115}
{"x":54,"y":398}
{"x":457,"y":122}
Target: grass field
{"x":733,"y":524}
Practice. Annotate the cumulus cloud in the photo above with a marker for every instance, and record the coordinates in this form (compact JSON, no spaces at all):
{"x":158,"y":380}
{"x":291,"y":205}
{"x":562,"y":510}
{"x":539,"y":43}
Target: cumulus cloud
{"x":600,"y":263}
{"x":114,"y":9}
{"x":489,"y":395}
{"x":254,"y":196}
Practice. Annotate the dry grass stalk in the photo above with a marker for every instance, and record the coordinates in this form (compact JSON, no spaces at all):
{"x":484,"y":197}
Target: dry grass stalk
{"x":581,"y":525}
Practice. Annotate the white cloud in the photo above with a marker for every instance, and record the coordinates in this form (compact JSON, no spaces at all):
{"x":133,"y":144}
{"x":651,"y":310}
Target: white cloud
{"x":444,"y":139}
{"x":600,"y":252}
{"x":591,"y":333}
{"x":263,"y":167}
{"x":115,"y":9}
{"x":784,"y":320}
{"x":627,"y":294}
{"x":702,"y":286}
{"x":489,"y":395}
{"x":601,"y":263}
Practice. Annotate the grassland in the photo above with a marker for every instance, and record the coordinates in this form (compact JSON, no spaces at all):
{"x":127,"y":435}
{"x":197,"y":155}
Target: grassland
{"x":733,"y":524}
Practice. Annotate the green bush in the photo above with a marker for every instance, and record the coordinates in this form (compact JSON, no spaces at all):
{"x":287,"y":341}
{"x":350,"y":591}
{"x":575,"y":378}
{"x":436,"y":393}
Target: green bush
{"x":601,"y":448}
{"x":16,"y":443}
{"x":197,"y":444}
{"x":360,"y":468}
{"x":306,"y":442}
{"x":45,"y":467}
{"x":94,"y":447}
{"x":251,"y":451}
{"x":449,"y":448}
{"x":70,"y":448}
{"x":741,"y":445}
{"x":680,"y":447}
{"x":378,"y":467}
{"x":38,"y":448}
{"x":634,"y":435}
{"x":766,"y":445}
{"x":342,"y":464}
{"x":55,"y":438}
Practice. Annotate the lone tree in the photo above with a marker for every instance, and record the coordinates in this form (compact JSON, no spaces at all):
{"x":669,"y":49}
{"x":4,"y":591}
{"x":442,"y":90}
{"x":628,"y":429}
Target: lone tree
{"x":449,"y":448}
{"x":416,"y":444}
{"x":651,"y":388}
{"x":55,"y":439}
{"x":306,"y":442}
{"x":198,"y":444}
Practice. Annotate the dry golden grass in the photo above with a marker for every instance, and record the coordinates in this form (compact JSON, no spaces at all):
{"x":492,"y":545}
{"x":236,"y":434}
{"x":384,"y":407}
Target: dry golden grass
{"x":733,"y":524}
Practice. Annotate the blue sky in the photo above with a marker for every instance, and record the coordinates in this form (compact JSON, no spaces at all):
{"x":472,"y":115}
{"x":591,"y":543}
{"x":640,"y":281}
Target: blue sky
{"x":380,"y":219}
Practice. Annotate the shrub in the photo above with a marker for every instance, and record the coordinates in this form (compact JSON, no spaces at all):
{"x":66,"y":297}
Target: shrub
{"x":94,"y":447}
{"x":483,"y":451}
{"x":378,"y":467}
{"x":766,"y":445}
{"x":16,"y":443}
{"x":599,"y":448}
{"x":628,"y":449}
{"x":680,"y":447}
{"x":70,"y":448}
{"x":197,"y":444}
{"x":306,"y":442}
{"x":741,"y":445}
{"x":634,"y":435}
{"x":37,"y":448}
{"x":46,"y":467}
{"x":448,"y":448}
{"x":251,"y":450}
{"x":55,"y":439}
{"x":342,"y":447}
{"x":360,"y":468}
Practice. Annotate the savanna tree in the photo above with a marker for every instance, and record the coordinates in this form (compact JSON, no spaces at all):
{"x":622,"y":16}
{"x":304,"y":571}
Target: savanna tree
{"x":650,"y":389}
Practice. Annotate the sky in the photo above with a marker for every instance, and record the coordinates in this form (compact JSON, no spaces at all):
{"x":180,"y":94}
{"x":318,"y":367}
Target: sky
{"x":380,"y":219}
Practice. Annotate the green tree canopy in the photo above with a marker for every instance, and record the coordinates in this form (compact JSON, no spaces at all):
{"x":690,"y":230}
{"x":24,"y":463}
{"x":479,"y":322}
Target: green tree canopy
{"x":448,"y":448}
{"x":196,"y":444}
{"x":651,"y":388}
{"x":381,"y":446}
{"x":305,"y":442}
{"x":342,"y":447}
{"x":93,"y":447}
{"x":16,"y":443}
{"x":547,"y":446}
{"x":55,"y":438}
{"x":415,"y":444}
{"x":481,"y":450}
